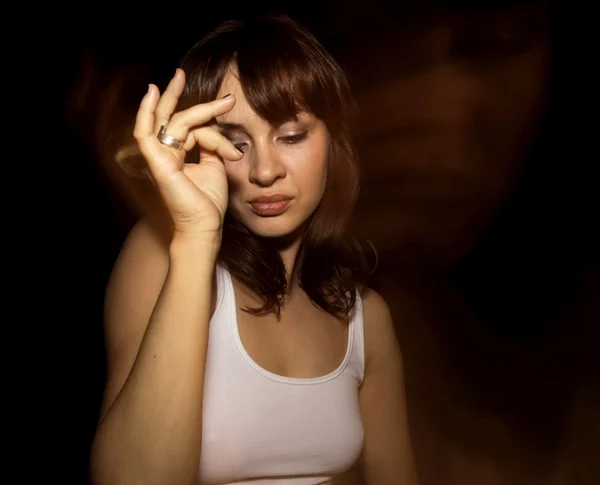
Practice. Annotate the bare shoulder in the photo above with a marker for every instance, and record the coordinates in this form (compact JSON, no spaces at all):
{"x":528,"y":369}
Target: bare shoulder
{"x":375,"y":307}
{"x":149,"y":237}
{"x":380,"y":338}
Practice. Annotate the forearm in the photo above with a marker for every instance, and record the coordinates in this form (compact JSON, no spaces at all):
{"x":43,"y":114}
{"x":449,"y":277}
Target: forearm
{"x":152,"y":433}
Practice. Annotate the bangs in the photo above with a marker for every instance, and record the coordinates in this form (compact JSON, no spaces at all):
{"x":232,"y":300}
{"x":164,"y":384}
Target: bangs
{"x":280,"y":79}
{"x":284,"y":71}
{"x":281,"y":67}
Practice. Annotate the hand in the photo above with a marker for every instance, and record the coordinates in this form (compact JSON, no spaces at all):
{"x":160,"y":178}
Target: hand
{"x":195,"y":194}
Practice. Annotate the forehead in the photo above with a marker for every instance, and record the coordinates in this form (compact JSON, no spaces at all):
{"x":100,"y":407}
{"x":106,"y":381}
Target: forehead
{"x":231,"y":85}
{"x":242,"y":112}
{"x":242,"y":109}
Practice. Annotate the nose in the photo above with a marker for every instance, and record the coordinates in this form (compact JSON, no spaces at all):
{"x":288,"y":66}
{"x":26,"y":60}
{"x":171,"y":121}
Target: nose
{"x":266,"y":166}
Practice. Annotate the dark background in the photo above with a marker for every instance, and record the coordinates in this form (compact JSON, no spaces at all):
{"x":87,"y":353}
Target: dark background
{"x":88,"y":221}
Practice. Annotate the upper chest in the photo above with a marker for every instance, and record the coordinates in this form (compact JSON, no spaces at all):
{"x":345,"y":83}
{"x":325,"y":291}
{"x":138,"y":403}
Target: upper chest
{"x":305,"y":342}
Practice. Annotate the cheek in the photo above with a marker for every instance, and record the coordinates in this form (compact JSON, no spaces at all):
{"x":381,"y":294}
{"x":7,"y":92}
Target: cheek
{"x":310,"y":167}
{"x":315,"y":172}
{"x":311,"y":180}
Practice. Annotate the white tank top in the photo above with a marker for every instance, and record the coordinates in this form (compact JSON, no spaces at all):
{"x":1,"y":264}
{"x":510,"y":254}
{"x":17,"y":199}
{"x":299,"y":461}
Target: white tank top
{"x":261,"y":428}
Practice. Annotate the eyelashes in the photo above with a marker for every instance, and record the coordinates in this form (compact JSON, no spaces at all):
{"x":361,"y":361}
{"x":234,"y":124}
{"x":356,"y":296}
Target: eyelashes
{"x":242,"y":146}
{"x":293,"y":139}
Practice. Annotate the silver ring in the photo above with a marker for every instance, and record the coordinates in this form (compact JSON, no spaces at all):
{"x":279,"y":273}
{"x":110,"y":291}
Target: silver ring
{"x":168,"y":140}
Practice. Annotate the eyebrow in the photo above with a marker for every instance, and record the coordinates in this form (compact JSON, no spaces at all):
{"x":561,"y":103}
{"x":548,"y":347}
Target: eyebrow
{"x":232,"y":127}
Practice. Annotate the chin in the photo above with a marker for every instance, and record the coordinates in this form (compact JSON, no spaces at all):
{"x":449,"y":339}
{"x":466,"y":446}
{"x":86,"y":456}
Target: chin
{"x":272,"y":227}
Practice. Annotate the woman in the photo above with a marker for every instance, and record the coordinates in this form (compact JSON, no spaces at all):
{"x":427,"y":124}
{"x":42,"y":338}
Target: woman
{"x":300,"y":373}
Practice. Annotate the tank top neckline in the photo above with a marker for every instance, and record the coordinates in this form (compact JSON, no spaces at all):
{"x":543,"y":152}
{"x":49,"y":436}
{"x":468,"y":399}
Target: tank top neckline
{"x":227,"y":283}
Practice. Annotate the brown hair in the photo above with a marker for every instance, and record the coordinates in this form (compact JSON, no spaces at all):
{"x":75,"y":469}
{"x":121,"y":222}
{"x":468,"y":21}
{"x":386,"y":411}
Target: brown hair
{"x":283,"y":70}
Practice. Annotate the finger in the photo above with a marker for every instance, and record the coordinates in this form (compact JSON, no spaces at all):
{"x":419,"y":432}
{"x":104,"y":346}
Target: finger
{"x":183,"y":122}
{"x":210,"y":140}
{"x":168,"y":101}
{"x":144,"y":121}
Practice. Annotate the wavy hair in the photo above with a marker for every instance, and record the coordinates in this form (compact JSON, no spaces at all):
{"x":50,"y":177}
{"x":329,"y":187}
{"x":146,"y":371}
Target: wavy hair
{"x":283,"y":70}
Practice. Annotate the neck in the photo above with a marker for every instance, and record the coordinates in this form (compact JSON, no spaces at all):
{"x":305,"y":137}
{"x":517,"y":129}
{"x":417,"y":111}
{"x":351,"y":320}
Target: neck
{"x":288,"y":249}
{"x":289,"y":256}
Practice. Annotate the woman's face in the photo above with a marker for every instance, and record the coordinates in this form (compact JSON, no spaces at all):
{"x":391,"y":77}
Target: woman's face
{"x":448,"y":113}
{"x":278,"y":184}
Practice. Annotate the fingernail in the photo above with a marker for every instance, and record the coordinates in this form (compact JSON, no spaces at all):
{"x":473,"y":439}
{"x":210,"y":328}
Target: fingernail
{"x":226,"y":96}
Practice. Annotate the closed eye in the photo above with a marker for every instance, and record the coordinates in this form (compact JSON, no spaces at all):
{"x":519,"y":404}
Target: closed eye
{"x":293,"y":139}
{"x":240,"y":145}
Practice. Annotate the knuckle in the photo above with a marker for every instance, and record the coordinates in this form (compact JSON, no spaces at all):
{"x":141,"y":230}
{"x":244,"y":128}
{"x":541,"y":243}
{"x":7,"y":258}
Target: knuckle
{"x":176,"y":118}
{"x":162,"y":117}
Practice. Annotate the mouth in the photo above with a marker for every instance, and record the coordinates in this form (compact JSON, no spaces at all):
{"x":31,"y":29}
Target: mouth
{"x":270,"y":205}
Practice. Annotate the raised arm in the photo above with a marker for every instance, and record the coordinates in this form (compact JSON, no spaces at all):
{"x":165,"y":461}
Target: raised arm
{"x":158,"y":305}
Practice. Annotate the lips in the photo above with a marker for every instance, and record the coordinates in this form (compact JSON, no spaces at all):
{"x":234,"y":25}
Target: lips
{"x":270,"y":205}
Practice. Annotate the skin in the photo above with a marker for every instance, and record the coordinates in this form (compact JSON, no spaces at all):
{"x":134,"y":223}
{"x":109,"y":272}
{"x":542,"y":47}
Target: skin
{"x":290,"y":159}
{"x":161,"y":295}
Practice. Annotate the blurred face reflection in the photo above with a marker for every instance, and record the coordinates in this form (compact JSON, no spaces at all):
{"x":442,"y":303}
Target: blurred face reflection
{"x":448,"y":112}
